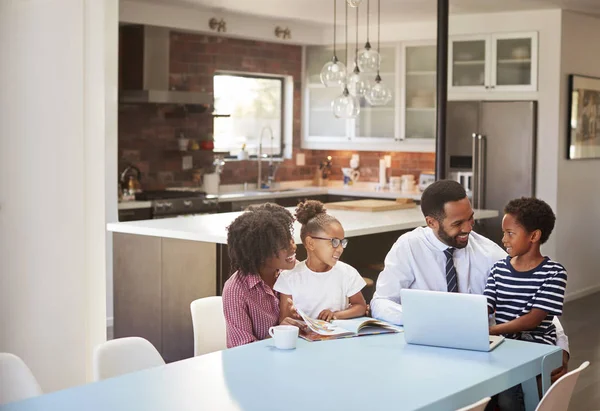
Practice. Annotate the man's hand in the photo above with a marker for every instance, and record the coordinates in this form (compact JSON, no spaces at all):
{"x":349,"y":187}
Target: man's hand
{"x":562,"y":370}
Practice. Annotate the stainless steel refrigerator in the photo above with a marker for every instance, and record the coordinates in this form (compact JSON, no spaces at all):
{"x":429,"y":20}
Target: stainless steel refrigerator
{"x":495,"y":141}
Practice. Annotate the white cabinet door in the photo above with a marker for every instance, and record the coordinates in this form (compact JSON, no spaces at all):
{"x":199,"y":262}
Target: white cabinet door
{"x":418,"y":102}
{"x":469,"y":58}
{"x":515,"y":57}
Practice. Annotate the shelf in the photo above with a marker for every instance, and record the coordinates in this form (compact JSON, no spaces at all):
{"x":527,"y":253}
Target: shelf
{"x":420,"y":73}
{"x":514,"y":61}
{"x":469,"y":63}
{"x":377,"y":109}
{"x":423,"y":109}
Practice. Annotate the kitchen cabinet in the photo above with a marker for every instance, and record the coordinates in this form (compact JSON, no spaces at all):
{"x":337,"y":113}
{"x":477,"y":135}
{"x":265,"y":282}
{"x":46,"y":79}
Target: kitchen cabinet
{"x":375,"y":128}
{"x":492,"y":63}
{"x":419,"y":92}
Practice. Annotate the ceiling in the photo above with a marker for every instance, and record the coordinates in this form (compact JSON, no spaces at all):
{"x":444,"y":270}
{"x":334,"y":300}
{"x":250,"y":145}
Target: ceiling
{"x":320,"y":11}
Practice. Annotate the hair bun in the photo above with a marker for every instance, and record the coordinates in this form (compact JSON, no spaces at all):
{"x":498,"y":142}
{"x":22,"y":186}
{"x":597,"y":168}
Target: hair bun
{"x":309,"y":209}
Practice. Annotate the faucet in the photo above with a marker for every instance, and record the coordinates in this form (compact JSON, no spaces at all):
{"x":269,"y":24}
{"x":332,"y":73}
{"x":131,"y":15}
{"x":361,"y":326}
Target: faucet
{"x":260,"y":155}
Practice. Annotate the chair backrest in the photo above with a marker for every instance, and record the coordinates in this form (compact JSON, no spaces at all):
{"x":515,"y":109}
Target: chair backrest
{"x":559,"y":395}
{"x":209,"y":325}
{"x":124,"y":355}
{"x":16,"y":380}
{"x":478,"y":406}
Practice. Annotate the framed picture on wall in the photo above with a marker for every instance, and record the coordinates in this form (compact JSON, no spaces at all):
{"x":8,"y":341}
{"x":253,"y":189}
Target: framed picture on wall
{"x":583,"y":129}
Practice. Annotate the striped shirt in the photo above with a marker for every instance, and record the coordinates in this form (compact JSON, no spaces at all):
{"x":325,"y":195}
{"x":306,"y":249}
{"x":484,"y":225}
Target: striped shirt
{"x":251,"y":307}
{"x":512,"y":294}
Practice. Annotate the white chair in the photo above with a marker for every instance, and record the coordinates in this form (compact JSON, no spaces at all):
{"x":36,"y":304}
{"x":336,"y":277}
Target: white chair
{"x":559,"y":395}
{"x":16,"y":380}
{"x":478,"y":406}
{"x":124,"y":355}
{"x":209,"y":325}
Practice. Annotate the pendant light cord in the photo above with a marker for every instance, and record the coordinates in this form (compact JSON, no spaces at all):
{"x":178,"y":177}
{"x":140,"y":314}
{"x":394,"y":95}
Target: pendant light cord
{"x":368,"y":4}
{"x":356,"y":51}
{"x":346,"y":35}
{"x":334,"y":26}
{"x":378,"y":35}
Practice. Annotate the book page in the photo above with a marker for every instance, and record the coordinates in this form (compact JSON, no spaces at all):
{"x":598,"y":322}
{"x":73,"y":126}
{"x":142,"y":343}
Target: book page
{"x":322,"y":327}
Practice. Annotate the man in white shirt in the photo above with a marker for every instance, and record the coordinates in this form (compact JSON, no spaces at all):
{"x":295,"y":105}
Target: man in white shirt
{"x":444,"y":256}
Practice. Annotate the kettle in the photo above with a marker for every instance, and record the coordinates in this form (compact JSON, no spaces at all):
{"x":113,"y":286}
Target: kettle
{"x":130,"y":180}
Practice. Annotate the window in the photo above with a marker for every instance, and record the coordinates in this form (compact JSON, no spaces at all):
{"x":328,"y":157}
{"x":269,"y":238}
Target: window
{"x":255,"y":106}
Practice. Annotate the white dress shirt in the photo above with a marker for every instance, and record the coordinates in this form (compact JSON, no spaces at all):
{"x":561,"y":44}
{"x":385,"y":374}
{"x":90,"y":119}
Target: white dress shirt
{"x":417,"y":260}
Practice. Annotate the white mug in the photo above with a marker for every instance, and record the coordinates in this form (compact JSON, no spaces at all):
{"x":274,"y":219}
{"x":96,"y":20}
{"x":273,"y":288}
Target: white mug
{"x":285,"y":336}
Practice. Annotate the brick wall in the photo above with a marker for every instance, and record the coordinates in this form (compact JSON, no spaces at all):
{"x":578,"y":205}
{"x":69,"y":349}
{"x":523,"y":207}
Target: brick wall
{"x":147,"y":135}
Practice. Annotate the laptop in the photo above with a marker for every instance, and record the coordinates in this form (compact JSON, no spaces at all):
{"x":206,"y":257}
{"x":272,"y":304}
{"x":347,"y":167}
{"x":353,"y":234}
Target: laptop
{"x":443,"y":319}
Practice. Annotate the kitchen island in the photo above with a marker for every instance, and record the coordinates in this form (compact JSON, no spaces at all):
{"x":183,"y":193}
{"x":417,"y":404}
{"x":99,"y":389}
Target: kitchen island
{"x":161,"y":266}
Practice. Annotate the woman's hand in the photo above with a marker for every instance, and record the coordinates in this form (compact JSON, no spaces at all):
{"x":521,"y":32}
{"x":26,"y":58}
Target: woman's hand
{"x":326,"y":315}
{"x":290,"y":321}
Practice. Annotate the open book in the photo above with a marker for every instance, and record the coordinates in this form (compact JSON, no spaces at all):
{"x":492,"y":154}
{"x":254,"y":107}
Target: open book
{"x":323,"y":330}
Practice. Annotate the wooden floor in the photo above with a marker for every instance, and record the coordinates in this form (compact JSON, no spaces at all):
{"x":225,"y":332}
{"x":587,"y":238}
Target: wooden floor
{"x":582,"y":325}
{"x":581,"y":321}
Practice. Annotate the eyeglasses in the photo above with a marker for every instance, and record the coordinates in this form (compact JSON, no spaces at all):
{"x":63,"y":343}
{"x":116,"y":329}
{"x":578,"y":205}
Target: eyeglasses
{"x":335,"y":242}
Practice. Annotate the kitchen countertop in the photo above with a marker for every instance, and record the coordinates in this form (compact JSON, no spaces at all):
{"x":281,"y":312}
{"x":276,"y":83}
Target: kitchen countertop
{"x":234,"y":196}
{"x":212,"y":227}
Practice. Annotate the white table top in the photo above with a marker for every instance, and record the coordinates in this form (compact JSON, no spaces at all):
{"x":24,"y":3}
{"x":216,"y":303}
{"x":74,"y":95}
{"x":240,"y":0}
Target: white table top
{"x":372,"y":373}
{"x":212,"y":227}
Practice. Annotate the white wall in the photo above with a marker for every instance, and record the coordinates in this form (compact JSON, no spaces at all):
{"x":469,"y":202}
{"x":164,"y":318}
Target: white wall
{"x":195,"y":18}
{"x":578,"y":213}
{"x":57,"y":76}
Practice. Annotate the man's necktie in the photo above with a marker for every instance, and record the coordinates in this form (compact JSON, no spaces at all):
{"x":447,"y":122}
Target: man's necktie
{"x":451,"y":278}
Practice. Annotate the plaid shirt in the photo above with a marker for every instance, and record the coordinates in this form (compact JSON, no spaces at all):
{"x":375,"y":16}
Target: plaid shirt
{"x":251,"y":307}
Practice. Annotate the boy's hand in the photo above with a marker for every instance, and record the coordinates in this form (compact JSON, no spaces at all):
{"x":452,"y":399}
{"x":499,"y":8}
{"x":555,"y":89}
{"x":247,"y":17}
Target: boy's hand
{"x":326,"y":315}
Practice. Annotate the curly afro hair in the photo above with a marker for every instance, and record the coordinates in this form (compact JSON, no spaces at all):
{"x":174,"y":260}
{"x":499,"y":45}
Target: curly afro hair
{"x":532,"y":214}
{"x":257,"y":235}
{"x":313,"y":217}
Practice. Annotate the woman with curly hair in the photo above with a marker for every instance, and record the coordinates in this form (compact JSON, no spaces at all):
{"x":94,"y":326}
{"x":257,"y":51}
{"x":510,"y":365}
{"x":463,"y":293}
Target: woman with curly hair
{"x":322,"y":286}
{"x":260,"y":245}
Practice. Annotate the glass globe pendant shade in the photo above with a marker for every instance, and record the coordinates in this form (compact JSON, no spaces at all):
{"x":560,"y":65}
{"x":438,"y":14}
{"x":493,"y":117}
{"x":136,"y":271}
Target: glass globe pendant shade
{"x":368,"y":59}
{"x":358,"y":84}
{"x":379,"y":94}
{"x":346,"y":105}
{"x":353,"y":3}
{"x":333,"y":73}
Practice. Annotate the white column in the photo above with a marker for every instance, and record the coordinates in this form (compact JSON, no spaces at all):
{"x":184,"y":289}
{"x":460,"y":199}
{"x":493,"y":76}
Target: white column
{"x":58,"y":90}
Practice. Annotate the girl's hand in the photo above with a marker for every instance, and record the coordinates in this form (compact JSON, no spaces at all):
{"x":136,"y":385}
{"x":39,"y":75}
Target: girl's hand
{"x":326,"y":315}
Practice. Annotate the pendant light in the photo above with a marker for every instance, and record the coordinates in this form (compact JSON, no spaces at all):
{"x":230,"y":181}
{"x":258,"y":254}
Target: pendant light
{"x":358,"y":84}
{"x":353,"y":3}
{"x":379,"y":94}
{"x":333,"y":72}
{"x":346,"y":105}
{"x":368,"y":59}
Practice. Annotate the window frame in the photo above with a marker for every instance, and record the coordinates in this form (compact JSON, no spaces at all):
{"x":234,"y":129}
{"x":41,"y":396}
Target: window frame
{"x":282,"y":80}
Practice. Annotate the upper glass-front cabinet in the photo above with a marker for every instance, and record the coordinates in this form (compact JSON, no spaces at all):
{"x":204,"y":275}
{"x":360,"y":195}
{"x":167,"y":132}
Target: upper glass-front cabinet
{"x":469,"y":62}
{"x":503,"y":62}
{"x":418,"y":99}
{"x":372,"y":122}
{"x":515,"y":62}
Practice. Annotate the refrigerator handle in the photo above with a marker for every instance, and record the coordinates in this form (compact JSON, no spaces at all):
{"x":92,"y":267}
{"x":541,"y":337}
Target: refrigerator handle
{"x":481,"y":172}
{"x":475,"y":165}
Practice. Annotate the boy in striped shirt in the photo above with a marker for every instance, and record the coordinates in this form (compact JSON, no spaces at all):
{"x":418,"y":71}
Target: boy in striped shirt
{"x":526,"y":289}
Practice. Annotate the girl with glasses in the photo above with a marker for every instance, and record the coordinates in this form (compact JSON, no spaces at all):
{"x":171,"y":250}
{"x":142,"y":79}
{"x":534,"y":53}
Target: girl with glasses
{"x":322,"y":286}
